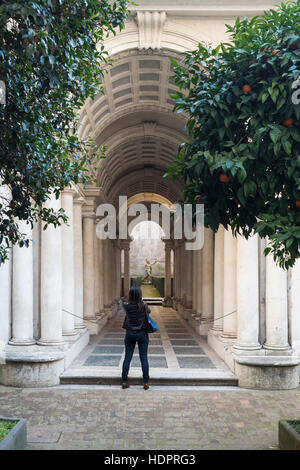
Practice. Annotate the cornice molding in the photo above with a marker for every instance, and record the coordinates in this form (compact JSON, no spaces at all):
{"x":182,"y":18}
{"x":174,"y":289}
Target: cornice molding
{"x":205,"y":8}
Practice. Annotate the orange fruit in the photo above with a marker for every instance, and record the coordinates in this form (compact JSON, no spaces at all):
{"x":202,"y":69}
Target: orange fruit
{"x":199,"y":199}
{"x":288,"y":122}
{"x":275,"y":52}
{"x":293,"y":46}
{"x":247,"y":89}
{"x":224,"y":178}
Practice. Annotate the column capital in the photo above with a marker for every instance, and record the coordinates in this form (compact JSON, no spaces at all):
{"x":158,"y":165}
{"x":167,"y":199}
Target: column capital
{"x":125,"y":244}
{"x":117,"y":243}
{"x":68,"y":190}
{"x":89,"y":207}
{"x":86,"y":215}
{"x":169,"y":244}
{"x":78,"y":200}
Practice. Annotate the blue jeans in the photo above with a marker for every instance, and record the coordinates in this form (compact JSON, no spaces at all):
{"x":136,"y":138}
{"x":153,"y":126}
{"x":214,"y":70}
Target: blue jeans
{"x":142,"y":339}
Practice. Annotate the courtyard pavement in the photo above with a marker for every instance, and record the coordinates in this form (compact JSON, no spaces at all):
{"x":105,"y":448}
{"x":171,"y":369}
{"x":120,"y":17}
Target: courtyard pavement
{"x":180,"y":418}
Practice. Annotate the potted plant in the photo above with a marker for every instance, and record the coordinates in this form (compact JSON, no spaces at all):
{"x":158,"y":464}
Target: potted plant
{"x":289,"y":434}
{"x":13,"y":433}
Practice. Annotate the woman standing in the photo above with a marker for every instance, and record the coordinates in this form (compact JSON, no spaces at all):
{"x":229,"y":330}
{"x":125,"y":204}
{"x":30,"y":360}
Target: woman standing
{"x":136,"y":325}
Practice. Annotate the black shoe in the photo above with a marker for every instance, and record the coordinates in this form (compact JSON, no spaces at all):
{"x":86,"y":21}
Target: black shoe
{"x":146,"y":386}
{"x":125,"y":385}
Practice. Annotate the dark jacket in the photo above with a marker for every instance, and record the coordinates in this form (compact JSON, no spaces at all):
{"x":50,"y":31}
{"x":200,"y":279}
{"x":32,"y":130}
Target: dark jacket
{"x":135,"y":320}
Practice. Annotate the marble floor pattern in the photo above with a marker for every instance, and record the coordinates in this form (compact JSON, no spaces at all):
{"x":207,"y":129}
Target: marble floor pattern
{"x":174,"y":348}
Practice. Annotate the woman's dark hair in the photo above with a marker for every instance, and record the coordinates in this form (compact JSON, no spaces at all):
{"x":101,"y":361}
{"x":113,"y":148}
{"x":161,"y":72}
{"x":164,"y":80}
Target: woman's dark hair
{"x":135,"y":296}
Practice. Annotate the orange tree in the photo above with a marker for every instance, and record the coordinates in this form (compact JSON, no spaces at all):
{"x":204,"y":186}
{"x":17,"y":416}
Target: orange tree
{"x":243,"y":156}
{"x":52,"y":58}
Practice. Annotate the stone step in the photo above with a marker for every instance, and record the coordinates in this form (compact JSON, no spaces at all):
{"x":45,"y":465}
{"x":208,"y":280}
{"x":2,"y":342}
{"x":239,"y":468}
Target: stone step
{"x":153,"y":301}
{"x":93,"y":376}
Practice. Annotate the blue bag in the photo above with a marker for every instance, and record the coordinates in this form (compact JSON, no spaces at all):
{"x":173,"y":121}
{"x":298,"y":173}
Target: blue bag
{"x":152,"y":326}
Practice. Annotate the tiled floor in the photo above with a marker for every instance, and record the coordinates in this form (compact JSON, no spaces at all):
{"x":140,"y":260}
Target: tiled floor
{"x":174,"y":348}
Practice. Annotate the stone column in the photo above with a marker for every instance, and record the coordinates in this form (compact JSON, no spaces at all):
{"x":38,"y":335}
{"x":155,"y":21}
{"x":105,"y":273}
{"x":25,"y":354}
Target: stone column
{"x":174,"y":274}
{"x":199,"y":282}
{"x":22,"y":291}
{"x":189,"y":278}
{"x":168,"y":247}
{"x":118,"y":270}
{"x":114,"y":269}
{"x":276,"y":307}
{"x":126,"y":248}
{"x":109,"y":273}
{"x":247,"y":294}
{"x":97,"y":274}
{"x":230,"y":306}
{"x":195,"y":280}
{"x":182,"y":274}
{"x":51,"y":281}
{"x":294,"y":306}
{"x":101,"y":274}
{"x":78,"y":264}
{"x":68,"y":273}
{"x":219,"y":280}
{"x":262,"y":290}
{"x":177,"y":273}
{"x":106,"y":277}
{"x":88,"y":266}
{"x":208,"y":275}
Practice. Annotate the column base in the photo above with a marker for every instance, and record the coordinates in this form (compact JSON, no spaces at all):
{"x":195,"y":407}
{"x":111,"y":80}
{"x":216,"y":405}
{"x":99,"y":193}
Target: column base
{"x":167,"y":302}
{"x":229,"y":336}
{"x":31,"y":369}
{"x":95,"y":325}
{"x":38,"y":366}
{"x":216,"y":331}
{"x":267,"y":372}
{"x":70,"y":334}
{"x":274,"y":347}
{"x":222,"y":347}
{"x":247,"y":347}
{"x":80,"y":326}
{"x":42,"y":342}
{"x":187,"y":313}
{"x":21,"y":342}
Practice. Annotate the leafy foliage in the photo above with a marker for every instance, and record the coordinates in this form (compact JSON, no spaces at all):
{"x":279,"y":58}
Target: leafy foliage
{"x":243,"y":157}
{"x":50,"y":61}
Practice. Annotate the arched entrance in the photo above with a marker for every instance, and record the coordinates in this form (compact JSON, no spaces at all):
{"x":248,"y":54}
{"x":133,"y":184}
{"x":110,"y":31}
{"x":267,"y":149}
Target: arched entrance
{"x":147,"y":260}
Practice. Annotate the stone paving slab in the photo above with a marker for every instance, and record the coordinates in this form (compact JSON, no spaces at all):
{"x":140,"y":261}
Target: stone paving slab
{"x":112,"y":419}
{"x":102,"y":361}
{"x":195,"y":362}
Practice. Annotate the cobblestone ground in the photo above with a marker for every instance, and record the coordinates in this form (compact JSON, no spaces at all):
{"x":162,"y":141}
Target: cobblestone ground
{"x":99,"y":418}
